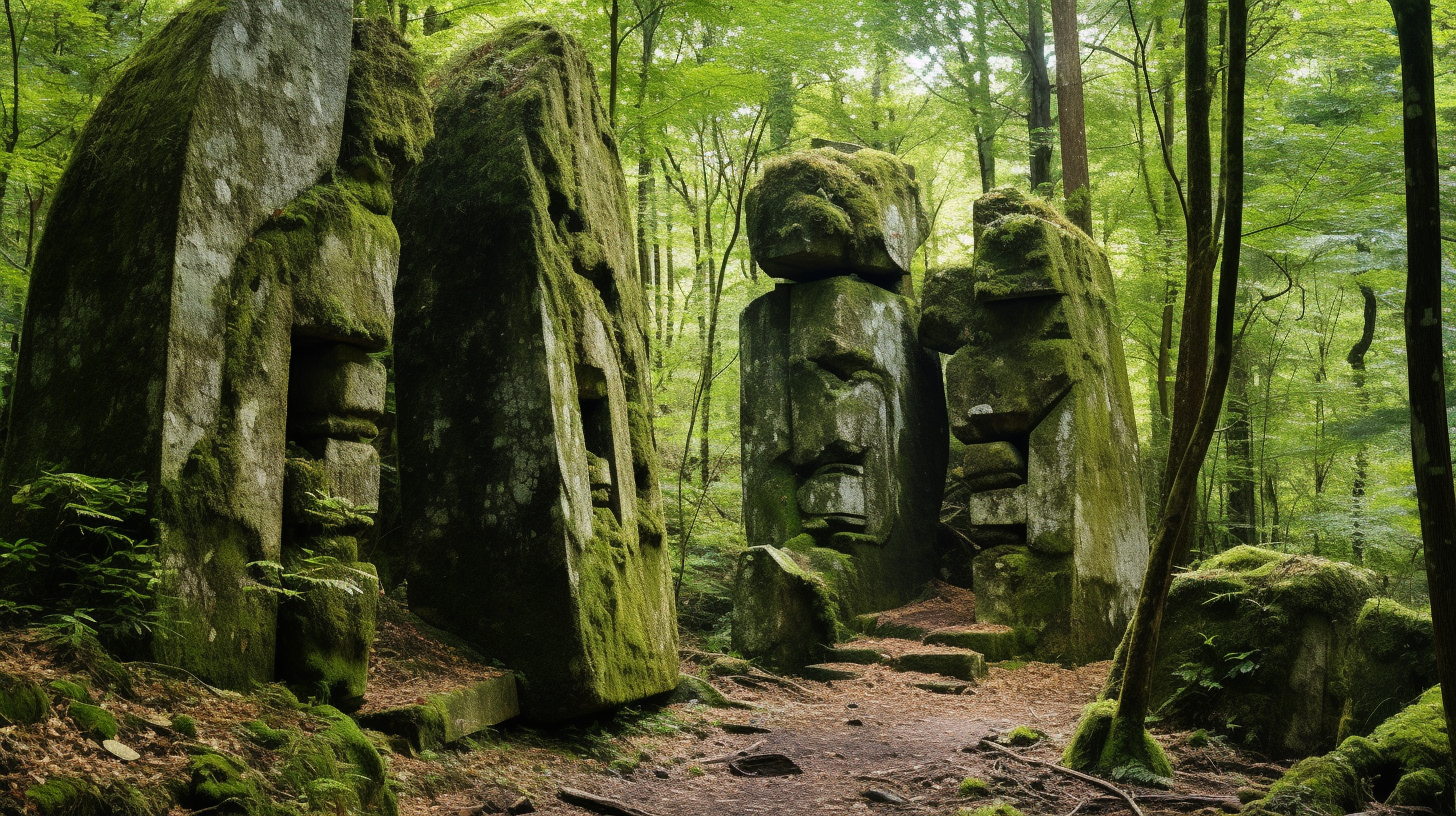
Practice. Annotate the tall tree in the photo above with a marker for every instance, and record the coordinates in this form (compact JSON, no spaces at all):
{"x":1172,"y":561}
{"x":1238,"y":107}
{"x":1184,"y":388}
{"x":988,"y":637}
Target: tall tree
{"x":1122,"y":739}
{"x":1430,"y":438}
{"x":1038,"y":99}
{"x":1356,"y":359}
{"x":1071,"y":120}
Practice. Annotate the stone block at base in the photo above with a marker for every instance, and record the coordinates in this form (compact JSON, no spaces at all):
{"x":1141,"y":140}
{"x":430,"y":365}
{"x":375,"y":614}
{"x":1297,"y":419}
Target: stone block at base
{"x":448,"y":716}
{"x":965,"y":665}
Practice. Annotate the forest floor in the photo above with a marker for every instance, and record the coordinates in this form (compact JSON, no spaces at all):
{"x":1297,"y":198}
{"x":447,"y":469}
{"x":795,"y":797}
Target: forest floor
{"x":853,"y":741}
{"x":875,"y":744}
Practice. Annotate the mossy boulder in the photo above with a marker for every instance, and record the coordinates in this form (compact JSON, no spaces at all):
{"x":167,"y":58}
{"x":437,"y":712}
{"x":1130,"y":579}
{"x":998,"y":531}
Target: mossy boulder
{"x":93,"y":721}
{"x":449,"y":716}
{"x":825,"y":212}
{"x":962,"y":665}
{"x":189,"y":153}
{"x":530,"y":487}
{"x":77,"y":796}
{"x":1029,"y":592}
{"x":1393,"y":662}
{"x":1259,"y":644}
{"x":219,"y":782}
{"x":783,"y":614}
{"x":22,"y":701}
{"x":1037,"y":391}
{"x":340,"y":765}
{"x":1404,"y":761}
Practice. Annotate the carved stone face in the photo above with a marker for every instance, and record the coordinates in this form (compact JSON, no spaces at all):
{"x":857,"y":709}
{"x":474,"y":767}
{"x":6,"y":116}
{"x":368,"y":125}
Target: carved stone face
{"x":840,"y":407}
{"x":847,"y":384}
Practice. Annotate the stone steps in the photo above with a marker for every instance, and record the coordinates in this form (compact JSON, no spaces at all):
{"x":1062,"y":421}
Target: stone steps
{"x":447,"y":716}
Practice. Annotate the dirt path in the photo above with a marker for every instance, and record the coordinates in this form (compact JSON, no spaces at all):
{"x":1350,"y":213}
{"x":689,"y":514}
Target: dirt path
{"x":878,"y":732}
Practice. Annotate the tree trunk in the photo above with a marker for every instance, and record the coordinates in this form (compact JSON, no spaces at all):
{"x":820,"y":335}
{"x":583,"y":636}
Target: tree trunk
{"x":1192,"y":371}
{"x":1076,"y":184}
{"x":1039,"y":100}
{"x":1356,"y":359}
{"x":1430,"y":439}
{"x":1128,"y":741}
{"x":614,"y":56}
{"x":985,"y":117}
{"x":1242,"y":490}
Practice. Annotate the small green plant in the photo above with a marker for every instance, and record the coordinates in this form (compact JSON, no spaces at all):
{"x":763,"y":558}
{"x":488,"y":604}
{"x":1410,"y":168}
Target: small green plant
{"x":1022,"y":736}
{"x":994,"y":809}
{"x":309,"y":572}
{"x":89,"y":566}
{"x":974,"y":787}
{"x":1204,"y":680}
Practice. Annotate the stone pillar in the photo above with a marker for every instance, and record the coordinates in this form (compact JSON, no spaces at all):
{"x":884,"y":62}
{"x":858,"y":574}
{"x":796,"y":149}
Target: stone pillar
{"x":844,"y":428}
{"x":192,"y":249}
{"x":530,"y":474}
{"x":1038,"y":392}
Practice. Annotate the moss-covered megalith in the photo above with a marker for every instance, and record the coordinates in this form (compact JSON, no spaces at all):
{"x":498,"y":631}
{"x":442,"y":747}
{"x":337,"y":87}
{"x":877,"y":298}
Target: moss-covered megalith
{"x":1260,"y":644}
{"x":836,"y":211}
{"x":135,"y":360}
{"x":1037,"y":390}
{"x":1405,"y":762}
{"x":843,"y":414}
{"x":529,"y":472}
{"x":236,"y":183}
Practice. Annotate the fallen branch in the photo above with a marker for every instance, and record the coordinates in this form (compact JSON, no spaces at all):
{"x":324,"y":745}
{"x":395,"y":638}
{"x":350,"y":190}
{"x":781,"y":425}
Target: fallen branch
{"x":785,"y":682}
{"x":598,"y":804}
{"x":1172,"y":800}
{"x":732,"y":756}
{"x":175,"y":670}
{"x":1101,"y":783}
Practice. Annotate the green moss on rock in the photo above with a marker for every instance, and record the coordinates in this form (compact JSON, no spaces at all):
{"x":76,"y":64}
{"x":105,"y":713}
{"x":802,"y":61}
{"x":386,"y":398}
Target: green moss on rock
{"x":75,"y":796}
{"x":829,"y":212}
{"x":1275,"y":633}
{"x":93,"y":721}
{"x":783,"y":615}
{"x":22,"y":701}
{"x":339,"y":753}
{"x":964,"y":665}
{"x":1412,"y":745}
{"x":1393,"y":660}
{"x":222,"y":783}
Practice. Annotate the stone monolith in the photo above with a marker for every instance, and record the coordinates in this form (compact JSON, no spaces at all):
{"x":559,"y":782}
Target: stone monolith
{"x":529,"y":472}
{"x":219,"y":247}
{"x":1037,"y":390}
{"x":843,"y":413}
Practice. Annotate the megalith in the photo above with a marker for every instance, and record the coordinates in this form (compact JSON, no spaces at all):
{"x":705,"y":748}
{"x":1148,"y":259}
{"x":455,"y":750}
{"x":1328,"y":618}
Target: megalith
{"x":217,"y":267}
{"x":1266,"y":647}
{"x":529,"y":472}
{"x":843,"y":413}
{"x":1037,"y":390}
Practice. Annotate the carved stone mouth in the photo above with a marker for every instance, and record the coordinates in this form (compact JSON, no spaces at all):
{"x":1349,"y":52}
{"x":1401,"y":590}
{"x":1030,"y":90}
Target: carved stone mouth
{"x":835,"y":494}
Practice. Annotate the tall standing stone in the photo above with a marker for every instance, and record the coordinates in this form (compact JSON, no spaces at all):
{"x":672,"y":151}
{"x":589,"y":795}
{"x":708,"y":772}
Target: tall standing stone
{"x":126,"y":365}
{"x":529,"y":472}
{"x":844,"y":428}
{"x":1037,"y":390}
{"x":218,"y":253}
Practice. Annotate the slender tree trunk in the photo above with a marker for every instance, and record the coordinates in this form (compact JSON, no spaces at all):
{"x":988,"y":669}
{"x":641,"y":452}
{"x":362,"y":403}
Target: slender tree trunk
{"x":1239,"y":473}
{"x":1076,"y":183}
{"x":614,"y":56}
{"x":1430,"y":439}
{"x":1356,"y":359}
{"x":1140,"y":647}
{"x":985,"y":117}
{"x":1039,"y":100}
{"x":1192,"y":372}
